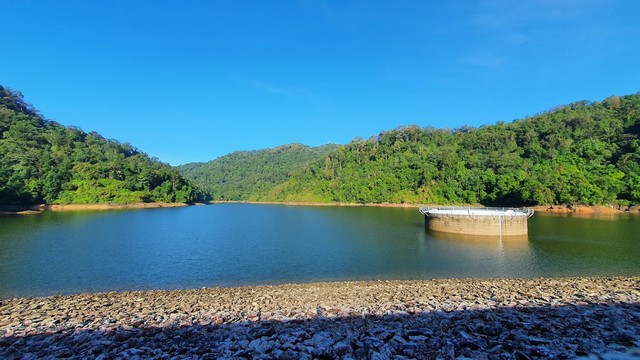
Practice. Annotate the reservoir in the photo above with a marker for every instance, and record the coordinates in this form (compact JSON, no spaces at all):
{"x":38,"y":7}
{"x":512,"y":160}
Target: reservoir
{"x":246,"y":244}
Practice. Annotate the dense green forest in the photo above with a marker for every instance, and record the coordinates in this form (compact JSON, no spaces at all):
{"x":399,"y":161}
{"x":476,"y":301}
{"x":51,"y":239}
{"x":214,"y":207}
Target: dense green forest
{"x":585,"y":152}
{"x":42,"y":161}
{"x":582,"y":153}
{"x":247,"y":175}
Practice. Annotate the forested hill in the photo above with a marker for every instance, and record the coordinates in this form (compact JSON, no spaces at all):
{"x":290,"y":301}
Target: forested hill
{"x":584,"y":152}
{"x":247,"y":175}
{"x":42,"y":161}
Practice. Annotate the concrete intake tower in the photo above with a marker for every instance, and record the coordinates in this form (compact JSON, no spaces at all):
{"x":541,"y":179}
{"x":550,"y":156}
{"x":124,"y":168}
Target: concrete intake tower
{"x":477,"y":221}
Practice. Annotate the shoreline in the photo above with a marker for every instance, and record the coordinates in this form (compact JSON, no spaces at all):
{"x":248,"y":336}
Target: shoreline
{"x":555,"y":209}
{"x":560,"y":209}
{"x":37,"y":209}
{"x":447,"y":318}
{"x":315,"y":203}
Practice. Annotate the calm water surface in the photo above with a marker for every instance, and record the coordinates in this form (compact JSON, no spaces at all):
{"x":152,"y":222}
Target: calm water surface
{"x":241,"y":244}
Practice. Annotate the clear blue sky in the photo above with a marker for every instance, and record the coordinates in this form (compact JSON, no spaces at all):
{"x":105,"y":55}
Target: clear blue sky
{"x":193,"y":80}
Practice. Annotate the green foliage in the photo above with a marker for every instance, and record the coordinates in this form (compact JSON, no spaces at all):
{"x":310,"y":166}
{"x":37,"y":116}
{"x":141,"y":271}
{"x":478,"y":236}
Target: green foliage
{"x":44,"y":162}
{"x":584,"y":152}
{"x":247,"y":175}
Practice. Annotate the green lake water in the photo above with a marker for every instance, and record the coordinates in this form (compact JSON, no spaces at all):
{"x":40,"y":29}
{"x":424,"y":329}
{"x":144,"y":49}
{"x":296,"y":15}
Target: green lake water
{"x":245,"y":244}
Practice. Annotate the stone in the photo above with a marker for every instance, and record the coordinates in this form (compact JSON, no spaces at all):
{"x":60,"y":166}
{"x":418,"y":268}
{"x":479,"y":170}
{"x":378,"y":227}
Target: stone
{"x":321,"y":340}
{"x":342,"y":348}
{"x":481,"y":318}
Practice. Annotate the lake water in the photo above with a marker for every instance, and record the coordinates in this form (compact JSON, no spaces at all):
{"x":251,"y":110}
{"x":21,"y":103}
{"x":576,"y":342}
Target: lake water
{"x":243,"y":244}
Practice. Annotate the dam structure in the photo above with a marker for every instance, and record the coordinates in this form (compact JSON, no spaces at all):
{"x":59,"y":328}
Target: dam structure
{"x":477,"y":221}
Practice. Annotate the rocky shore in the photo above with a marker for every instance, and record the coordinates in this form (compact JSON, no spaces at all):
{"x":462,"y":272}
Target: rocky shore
{"x":36,"y":209}
{"x":561,"y":209}
{"x":588,"y":210}
{"x":448,"y":319}
{"x":558,"y":209}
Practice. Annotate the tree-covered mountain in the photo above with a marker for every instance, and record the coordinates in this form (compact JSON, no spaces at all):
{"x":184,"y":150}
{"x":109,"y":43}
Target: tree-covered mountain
{"x":247,"y":175}
{"x":42,"y":161}
{"x":584,"y":152}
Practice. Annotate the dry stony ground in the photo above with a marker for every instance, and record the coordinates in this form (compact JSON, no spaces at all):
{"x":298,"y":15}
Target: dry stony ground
{"x":479,"y":319}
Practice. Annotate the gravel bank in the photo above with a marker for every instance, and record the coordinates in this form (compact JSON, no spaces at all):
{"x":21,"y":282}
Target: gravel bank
{"x":480,"y":319}
{"x":37,"y":209}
